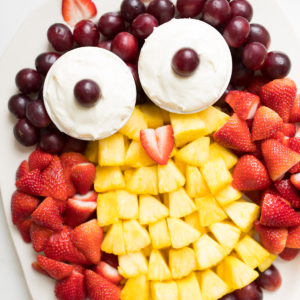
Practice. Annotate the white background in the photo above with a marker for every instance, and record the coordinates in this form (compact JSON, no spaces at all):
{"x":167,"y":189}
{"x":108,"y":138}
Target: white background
{"x":12,"y":14}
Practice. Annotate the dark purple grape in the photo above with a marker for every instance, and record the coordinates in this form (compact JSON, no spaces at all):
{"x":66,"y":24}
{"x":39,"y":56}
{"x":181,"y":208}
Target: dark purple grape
{"x":277,"y":65}
{"x":241,"y":8}
{"x":216,"y":12}
{"x":134,"y":71}
{"x":25,"y":133}
{"x":110,"y":24}
{"x":135,"y":61}
{"x":74,"y":145}
{"x":40,"y":95}
{"x":236,"y":32}
{"x":28,"y":81}
{"x":105,"y":44}
{"x":249,"y":292}
{"x":37,"y":114}
{"x":141,"y":98}
{"x":230,"y":296}
{"x":87,"y":92}
{"x":17,"y":105}
{"x":143,"y":25}
{"x":44,"y":62}
{"x":270,"y":279}
{"x":189,"y":8}
{"x":129,"y":29}
{"x":86,"y":33}
{"x":260,"y":34}
{"x":241,"y":76}
{"x":130,"y":9}
{"x":60,"y":37}
{"x":162,"y":10}
{"x":236,"y":52}
{"x":185,"y":62}
{"x":254,"y":56}
{"x":52,"y":141}
{"x":221,"y":102}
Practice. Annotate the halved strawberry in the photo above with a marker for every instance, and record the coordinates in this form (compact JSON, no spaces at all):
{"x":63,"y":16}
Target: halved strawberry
{"x":295,"y":180}
{"x":39,"y":160}
{"x":289,"y":254}
{"x":293,"y":239}
{"x":31,"y":183}
{"x":288,"y":191}
{"x":256,"y":84}
{"x":108,"y":272}
{"x":289,"y":130}
{"x":158,"y":143}
{"x":39,"y":236}
{"x":35,"y":266}
{"x":79,"y":268}
{"x":90,"y":196}
{"x":295,"y":111}
{"x":294,"y":144}
{"x":22,"y":170}
{"x":24,"y":229}
{"x":253,"y":196}
{"x":110,"y":259}
{"x":61,"y":205}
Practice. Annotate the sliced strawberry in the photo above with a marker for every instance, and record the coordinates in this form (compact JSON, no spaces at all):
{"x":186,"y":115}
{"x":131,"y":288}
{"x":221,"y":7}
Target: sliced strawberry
{"x":22,"y":170}
{"x":31,"y":183}
{"x":111,"y":259}
{"x":39,"y":236}
{"x":295,"y":111}
{"x":279,"y":136}
{"x":61,"y":205}
{"x":79,"y":268}
{"x":35,"y":266}
{"x":254,"y":196}
{"x":294,"y":144}
{"x":288,"y":191}
{"x":293,"y":239}
{"x":295,"y":180}
{"x":289,"y":253}
{"x":24,"y":229}
{"x":90,"y":196}
{"x":256,"y":84}
{"x":257,"y":153}
{"x":233,"y":97}
{"x":289,"y":130}
{"x":39,"y":160}
{"x":108,"y":272}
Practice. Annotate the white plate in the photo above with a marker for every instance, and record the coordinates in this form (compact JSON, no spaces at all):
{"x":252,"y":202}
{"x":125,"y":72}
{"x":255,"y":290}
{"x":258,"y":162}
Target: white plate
{"x":30,"y":41}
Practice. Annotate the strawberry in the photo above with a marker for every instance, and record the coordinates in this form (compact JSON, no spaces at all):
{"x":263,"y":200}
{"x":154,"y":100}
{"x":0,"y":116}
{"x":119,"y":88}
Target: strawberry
{"x":269,"y":190}
{"x":108,"y":272}
{"x":279,"y":95}
{"x":78,"y":268}
{"x":289,"y":130}
{"x":293,"y":239}
{"x":110,"y":259}
{"x":295,"y":180}
{"x":250,"y":174}
{"x":233,"y":97}
{"x":39,"y":236}
{"x":279,"y":136}
{"x":24,"y":229}
{"x":47,"y":215}
{"x":87,"y":238}
{"x":235,"y":134}
{"x":35,"y":266}
{"x":278,"y":157}
{"x":288,"y":191}
{"x":61,"y":205}
{"x":74,"y":11}
{"x":99,"y":288}
{"x":257,"y":153}
{"x":256,"y":84}
{"x":254,"y":196}
{"x":22,"y":206}
{"x":158,"y":143}
{"x":294,"y":144}
{"x":295,"y":111}
{"x":289,"y":253}
{"x":90,"y":196}
{"x":54,"y":182}
{"x":39,"y":160}
{"x":272,"y":238}
{"x":22,"y":170}
{"x":30,"y":183}
{"x":83,"y":176}
{"x":266,"y":123}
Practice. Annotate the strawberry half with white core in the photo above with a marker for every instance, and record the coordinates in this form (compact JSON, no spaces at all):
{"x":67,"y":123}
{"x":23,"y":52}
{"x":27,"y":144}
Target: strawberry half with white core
{"x":295,"y":111}
{"x":158,"y":143}
{"x":90,"y":196}
{"x":108,"y":272}
{"x":295,"y":179}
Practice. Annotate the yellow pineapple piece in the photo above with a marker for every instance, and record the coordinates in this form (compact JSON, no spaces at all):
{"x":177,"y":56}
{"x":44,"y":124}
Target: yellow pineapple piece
{"x":128,"y":174}
{"x":180,"y":204}
{"x":243,"y":214}
{"x":174,"y":151}
{"x":113,"y":241}
{"x":194,"y":220}
{"x":144,"y":181}
{"x":217,"y":151}
{"x":107,"y":209}
{"x":182,"y":262}
{"x":128,"y":207}
{"x":166,"y":290}
{"x":151,"y":210}
{"x":158,"y":269}
{"x":166,"y":116}
{"x":136,"y":288}
{"x":153,"y":115}
{"x":160,"y":235}
{"x":189,"y":288}
{"x":147,"y":250}
{"x":216,"y":175}
{"x":209,"y":211}
{"x":266,"y":264}
{"x":181,"y":166}
{"x":182,"y":234}
{"x":234,"y":254}
{"x":228,"y":195}
{"x":136,"y":237}
{"x":108,"y":179}
{"x":134,"y":125}
{"x":195,"y":186}
{"x":91,"y":152}
{"x":195,"y":153}
{"x":133,"y":264}
{"x":249,"y":233}
{"x":169,"y":178}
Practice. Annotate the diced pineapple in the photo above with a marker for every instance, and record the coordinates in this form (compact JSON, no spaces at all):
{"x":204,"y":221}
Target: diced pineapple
{"x":169,"y":178}
{"x":128,"y":174}
{"x":195,"y":153}
{"x":216,"y":175}
{"x":209,"y":211}
{"x":91,"y":152}
{"x":266,"y":264}
{"x":147,"y":250}
{"x":166,"y":200}
{"x":133,"y":264}
{"x":180,"y":204}
{"x":182,"y":262}
{"x":128,"y":207}
{"x":166,"y":116}
{"x":227,"y":234}
{"x":160,"y":235}
{"x":144,"y":181}
{"x":234,"y":254}
{"x":151,"y":210}
{"x":251,"y":252}
{"x":208,"y":252}
{"x":194,"y":220}
{"x":108,"y":179}
{"x":134,"y":125}
{"x":228,"y":195}
{"x":113,"y":241}
{"x":107,"y":209}
{"x":249,"y":233}
{"x":166,"y":290}
{"x":243,"y":214}
{"x":158,"y":269}
{"x":217,"y":151}
{"x":189,"y":288}
{"x":153,"y":115}
{"x":174,"y":152}
{"x":181,"y":166}
{"x":182,"y":234}
{"x":136,"y":156}
{"x":195,"y":186}
{"x":136,"y":237}
{"x":136,"y":288}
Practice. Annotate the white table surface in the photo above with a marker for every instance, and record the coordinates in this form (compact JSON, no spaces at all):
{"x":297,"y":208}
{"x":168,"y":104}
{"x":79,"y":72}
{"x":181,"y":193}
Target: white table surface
{"x":12,"y":14}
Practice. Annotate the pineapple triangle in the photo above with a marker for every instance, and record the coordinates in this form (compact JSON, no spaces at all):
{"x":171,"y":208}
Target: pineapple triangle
{"x":107,"y":209}
{"x":137,"y":288}
{"x":195,"y":186}
{"x":189,"y":288}
{"x":158,"y":268}
{"x":160,"y":235}
{"x":128,"y":207}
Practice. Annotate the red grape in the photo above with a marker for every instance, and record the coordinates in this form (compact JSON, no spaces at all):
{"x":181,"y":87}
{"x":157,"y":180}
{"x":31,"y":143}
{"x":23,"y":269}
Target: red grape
{"x":110,"y":24}
{"x":270,"y":279}
{"x":249,"y":292}
{"x":130,"y":9}
{"x":25,"y":133}
{"x":37,"y":114}
{"x":260,"y":34}
{"x":86,"y":33}
{"x":87,"y":92}
{"x":162,"y":10}
{"x":40,"y":95}
{"x":185,"y":62}
{"x":230,"y":296}
{"x":241,"y":8}
{"x":143,"y":25}
{"x":44,"y":62}
{"x":254,"y":56}
{"x":241,"y":76}
{"x":17,"y":105}
{"x":60,"y":37}
{"x":74,"y":145}
{"x":216,"y":12}
{"x":189,"y":8}
{"x":28,"y":81}
{"x":105,"y":44}
{"x":134,"y":71}
{"x":52,"y":141}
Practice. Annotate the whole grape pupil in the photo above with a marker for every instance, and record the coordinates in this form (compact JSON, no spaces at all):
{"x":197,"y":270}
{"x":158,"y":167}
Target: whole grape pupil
{"x":185,"y":62}
{"x":87,"y":92}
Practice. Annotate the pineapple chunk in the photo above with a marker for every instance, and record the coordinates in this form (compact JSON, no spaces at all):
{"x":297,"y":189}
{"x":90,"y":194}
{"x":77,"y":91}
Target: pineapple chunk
{"x":133,"y":264}
{"x":134,"y":125}
{"x":128,"y":174}
{"x":228,"y":195}
{"x":243,"y":214}
{"x":153,"y":115}
{"x":251,"y":252}
{"x":209,"y":211}
{"x":144,"y":181}
{"x":174,"y":151}
{"x":147,"y":250}
{"x":187,"y":128}
{"x":107,"y":209}
{"x":166,"y":116}
{"x":128,"y":207}
{"x":158,"y":269}
{"x":108,"y":179}
{"x":194,"y":220}
{"x":180,"y":204}
{"x":160,"y":235}
{"x":136,"y":237}
{"x":182,"y":262}
{"x":188,"y":288}
{"x":266,"y":264}
{"x":113,"y":241}
{"x":227,"y":234}
{"x":195,"y":186}
{"x":181,"y":166}
{"x":166,"y":290}
{"x":182,"y":234}
{"x":169,"y":178}
{"x":249,"y":233}
{"x":234,"y":254}
{"x":151,"y":210}
{"x":112,"y":150}
{"x":195,"y":153}
{"x":137,"y":288}
{"x":91,"y":152}
{"x":216,"y":175}
{"x":217,"y":151}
